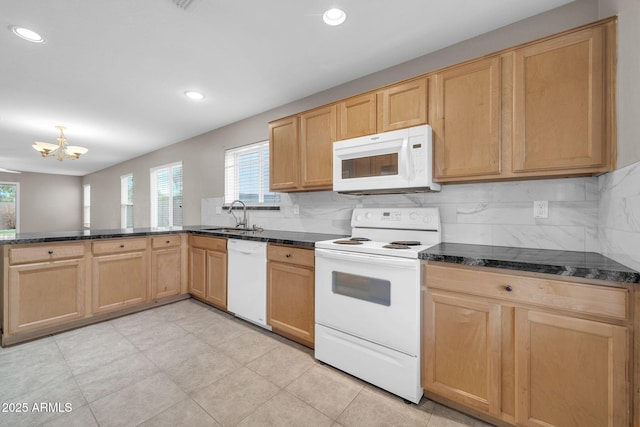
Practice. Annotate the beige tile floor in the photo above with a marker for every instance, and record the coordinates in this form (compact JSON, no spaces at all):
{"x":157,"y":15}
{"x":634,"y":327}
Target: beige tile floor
{"x":187,"y":364}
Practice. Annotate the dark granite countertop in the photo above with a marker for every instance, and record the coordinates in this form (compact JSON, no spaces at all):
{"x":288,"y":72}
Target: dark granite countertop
{"x":589,"y":265}
{"x":271,"y":236}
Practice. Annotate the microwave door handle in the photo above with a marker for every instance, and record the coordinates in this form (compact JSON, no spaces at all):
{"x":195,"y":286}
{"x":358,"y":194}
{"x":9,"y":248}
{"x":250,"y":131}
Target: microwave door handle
{"x":408,"y":160}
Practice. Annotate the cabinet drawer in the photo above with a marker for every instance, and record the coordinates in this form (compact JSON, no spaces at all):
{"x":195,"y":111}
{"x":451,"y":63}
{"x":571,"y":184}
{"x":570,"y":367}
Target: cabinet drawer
{"x":41,"y":253}
{"x":165,"y":241}
{"x":291,"y":255}
{"x":212,"y":243}
{"x":119,"y":245}
{"x":575,"y":297}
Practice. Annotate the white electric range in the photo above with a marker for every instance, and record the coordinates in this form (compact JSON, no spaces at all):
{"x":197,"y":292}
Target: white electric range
{"x":367,"y":289}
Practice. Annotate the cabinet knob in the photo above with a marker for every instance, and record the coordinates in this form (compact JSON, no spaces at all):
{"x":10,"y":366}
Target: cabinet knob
{"x":508,"y":288}
{"x":288,"y":255}
{"x":50,"y":252}
{"x":122,"y":246}
{"x":167,"y":242}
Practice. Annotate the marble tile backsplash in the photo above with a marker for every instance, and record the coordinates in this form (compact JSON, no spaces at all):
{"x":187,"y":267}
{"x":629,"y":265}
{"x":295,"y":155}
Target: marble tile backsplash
{"x":619,"y":215}
{"x":486,"y":213}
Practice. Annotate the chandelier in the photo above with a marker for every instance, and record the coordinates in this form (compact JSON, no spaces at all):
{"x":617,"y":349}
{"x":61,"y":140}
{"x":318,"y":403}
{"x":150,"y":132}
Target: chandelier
{"x":61,"y":150}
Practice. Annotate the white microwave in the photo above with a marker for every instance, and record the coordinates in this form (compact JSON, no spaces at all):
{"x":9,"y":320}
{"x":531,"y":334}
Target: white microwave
{"x":399,"y":161}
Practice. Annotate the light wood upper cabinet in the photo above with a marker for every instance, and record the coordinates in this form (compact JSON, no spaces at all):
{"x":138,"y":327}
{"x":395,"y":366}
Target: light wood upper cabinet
{"x":403,"y":105}
{"x":317,"y":134}
{"x":301,"y":151}
{"x":466,"y":120}
{"x":357,"y":116}
{"x":284,"y":157}
{"x":559,"y":111}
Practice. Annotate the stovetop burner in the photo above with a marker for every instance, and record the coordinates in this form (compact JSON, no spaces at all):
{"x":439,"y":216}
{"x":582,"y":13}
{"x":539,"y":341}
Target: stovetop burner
{"x":396,"y":246}
{"x":360,"y":239}
{"x":406,"y":242}
{"x":347,"y":242}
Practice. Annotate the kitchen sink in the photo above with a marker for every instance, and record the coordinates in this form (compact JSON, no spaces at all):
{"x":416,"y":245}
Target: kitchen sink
{"x":232,"y":230}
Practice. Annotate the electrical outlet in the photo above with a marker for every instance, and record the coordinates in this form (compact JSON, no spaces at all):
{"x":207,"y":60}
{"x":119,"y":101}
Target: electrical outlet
{"x":541,"y":209}
{"x":296,"y":209}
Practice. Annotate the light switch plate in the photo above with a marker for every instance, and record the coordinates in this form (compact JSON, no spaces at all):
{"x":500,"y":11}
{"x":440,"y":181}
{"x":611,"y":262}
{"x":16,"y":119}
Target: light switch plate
{"x":541,"y":209}
{"x":296,"y":209}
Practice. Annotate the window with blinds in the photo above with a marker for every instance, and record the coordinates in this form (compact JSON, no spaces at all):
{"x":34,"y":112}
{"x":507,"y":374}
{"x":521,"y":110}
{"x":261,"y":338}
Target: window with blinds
{"x":86,"y":206}
{"x":247,"y":175}
{"x":126,"y":201}
{"x":166,"y":195}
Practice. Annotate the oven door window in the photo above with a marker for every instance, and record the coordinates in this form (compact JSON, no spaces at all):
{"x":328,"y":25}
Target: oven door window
{"x":377,"y":291}
{"x":364,"y":167}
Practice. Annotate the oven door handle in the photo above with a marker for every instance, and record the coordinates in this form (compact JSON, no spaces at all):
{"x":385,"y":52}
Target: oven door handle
{"x":366,"y":258}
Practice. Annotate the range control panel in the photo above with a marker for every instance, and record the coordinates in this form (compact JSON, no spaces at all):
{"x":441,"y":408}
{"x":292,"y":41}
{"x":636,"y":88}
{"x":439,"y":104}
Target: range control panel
{"x":399,"y":218}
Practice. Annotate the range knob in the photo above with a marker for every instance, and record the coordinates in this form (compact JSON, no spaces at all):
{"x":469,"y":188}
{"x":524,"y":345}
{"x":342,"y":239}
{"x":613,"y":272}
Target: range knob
{"x":427,"y":219}
{"x":414,"y":216}
{"x":358,"y":217}
{"x":369,"y":215}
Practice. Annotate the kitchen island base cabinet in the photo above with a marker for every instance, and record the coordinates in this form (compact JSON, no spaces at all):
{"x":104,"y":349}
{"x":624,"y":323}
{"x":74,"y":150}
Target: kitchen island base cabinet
{"x":119,"y":273}
{"x":527,"y":349}
{"x":45,"y":294}
{"x":208,"y":270}
{"x":166,"y":266}
{"x":291,"y":292}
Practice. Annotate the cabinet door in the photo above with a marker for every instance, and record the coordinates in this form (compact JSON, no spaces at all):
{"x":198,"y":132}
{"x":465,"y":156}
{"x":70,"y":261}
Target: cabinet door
{"x":290,"y":301}
{"x":45,"y":294}
{"x":284,"y":157}
{"x":166,"y":266}
{"x":119,"y":280}
{"x":559,"y":101}
{"x":216,"y":291}
{"x":403,"y":105}
{"x":467,"y":124}
{"x":462,"y":345}
{"x":197,"y":272}
{"x":569,"y":371}
{"x":317,"y":134}
{"x":357,"y":116}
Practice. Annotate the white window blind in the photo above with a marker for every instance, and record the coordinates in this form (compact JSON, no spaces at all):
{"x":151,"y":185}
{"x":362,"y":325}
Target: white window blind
{"x":86,"y":206}
{"x":166,"y":195}
{"x":126,"y":201}
{"x":247,"y":175}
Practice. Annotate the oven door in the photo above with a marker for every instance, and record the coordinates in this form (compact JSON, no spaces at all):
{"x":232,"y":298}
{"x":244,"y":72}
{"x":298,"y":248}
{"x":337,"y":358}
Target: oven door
{"x":372,"y":297}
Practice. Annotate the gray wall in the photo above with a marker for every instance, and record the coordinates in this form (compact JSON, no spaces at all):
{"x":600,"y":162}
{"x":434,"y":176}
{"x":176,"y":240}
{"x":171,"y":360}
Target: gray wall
{"x":203,"y":156}
{"x":47,"y":202}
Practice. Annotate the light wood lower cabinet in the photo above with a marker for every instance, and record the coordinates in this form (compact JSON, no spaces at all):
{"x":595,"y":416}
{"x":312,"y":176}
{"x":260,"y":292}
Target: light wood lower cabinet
{"x":45,"y":294}
{"x":208,"y":269}
{"x":291,"y":292}
{"x":119,"y":273}
{"x":462,"y":350}
{"x":166,"y":266}
{"x":527,"y":350}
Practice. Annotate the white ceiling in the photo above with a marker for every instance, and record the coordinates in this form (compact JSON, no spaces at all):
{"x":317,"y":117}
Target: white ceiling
{"x":114,"y":71}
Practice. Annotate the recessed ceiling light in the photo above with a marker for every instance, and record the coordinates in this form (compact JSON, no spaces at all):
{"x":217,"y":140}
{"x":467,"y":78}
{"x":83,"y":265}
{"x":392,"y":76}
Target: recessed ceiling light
{"x":27,"y":34}
{"x":192,"y":94}
{"x":334,"y":17}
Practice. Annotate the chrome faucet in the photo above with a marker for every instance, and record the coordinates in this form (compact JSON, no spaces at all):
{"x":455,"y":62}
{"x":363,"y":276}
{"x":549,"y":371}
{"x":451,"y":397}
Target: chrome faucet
{"x":244,"y":209}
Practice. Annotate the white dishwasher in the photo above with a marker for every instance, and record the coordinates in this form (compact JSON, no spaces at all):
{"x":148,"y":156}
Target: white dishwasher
{"x":247,"y":280}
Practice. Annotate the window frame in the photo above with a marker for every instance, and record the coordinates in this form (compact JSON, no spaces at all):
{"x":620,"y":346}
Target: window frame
{"x":86,"y":206}
{"x":16,"y":204}
{"x":232,"y":173}
{"x":153,"y":185}
{"x":124,"y":200}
